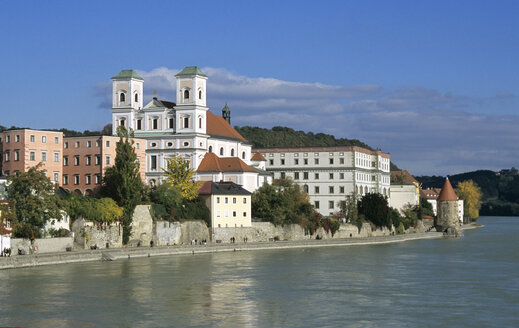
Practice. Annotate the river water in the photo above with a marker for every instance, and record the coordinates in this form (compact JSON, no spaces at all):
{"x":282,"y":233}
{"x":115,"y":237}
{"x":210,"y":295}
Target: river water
{"x":468,"y":282}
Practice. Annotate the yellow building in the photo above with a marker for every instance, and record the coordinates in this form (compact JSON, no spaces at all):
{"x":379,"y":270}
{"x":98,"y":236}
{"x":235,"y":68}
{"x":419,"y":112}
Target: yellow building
{"x":229,"y":203}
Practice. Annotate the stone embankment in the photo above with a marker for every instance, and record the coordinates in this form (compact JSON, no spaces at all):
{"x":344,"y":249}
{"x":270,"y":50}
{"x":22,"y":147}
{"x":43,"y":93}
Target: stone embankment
{"x":134,"y":252}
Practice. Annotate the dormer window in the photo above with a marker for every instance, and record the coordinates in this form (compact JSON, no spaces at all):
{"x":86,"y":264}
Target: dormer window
{"x":122,"y":98}
{"x":186,"y":94}
{"x":232,"y":152}
{"x":221,"y":151}
{"x":210,"y":149}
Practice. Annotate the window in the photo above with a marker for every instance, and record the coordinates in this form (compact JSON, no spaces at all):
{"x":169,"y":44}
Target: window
{"x":76,"y":179}
{"x":155,"y":123}
{"x":89,"y":144}
{"x":218,"y":213}
{"x":283,"y":175}
{"x":221,"y":151}
{"x":341,"y":160}
{"x":33,"y":138}
{"x":7,"y":155}
{"x":210,"y":149}
{"x":171,"y":123}
{"x":305,"y":188}
{"x":200,"y":94}
{"x":244,"y":200}
{"x":305,"y":175}
{"x":234,"y":200}
{"x":139,"y":124}
{"x":316,"y":176}
{"x":330,"y":176}
{"x":153,"y":162}
{"x":98,"y":179}
{"x":32,"y":155}
{"x":244,"y":215}
{"x":296,"y":175}
{"x":316,"y":204}
{"x":65,"y":145}
{"x":232,"y":152}
{"x":17,"y":138}
{"x":296,"y":161}
{"x":341,"y":190}
{"x":122,"y":98}
{"x":186,"y":122}
{"x":271,"y":161}
{"x":186,"y":144}
{"x":282,"y":161}
{"x":316,"y":190}
{"x":226,"y":215}
{"x":88,"y":179}
{"x":330,"y":204}
{"x":341,"y":176}
{"x":226,"y":200}
{"x":331,"y":189}
{"x":137,"y":146}
{"x":305,"y":161}
{"x":88,"y":160}
{"x":76,"y":160}
{"x":43,"y":139}
{"x":56,"y":140}
{"x":43,"y":156}
{"x":186,"y":94}
{"x":233,"y":214}
{"x":199,"y":122}
{"x":217,"y":200}
{"x":8,"y":139}
{"x":107,"y":160}
{"x":107,"y":143}
{"x":56,"y":156}
{"x":331,"y":161}
{"x":136,"y":97}
{"x":316,"y":161}
{"x":98,"y":159}
{"x":56,"y":177}
{"x":243,"y":155}
{"x":65,"y":179}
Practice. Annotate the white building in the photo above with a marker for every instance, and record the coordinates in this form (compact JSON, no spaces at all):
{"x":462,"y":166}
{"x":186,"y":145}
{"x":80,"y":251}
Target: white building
{"x":186,"y":128}
{"x":404,"y":191}
{"x":328,"y":174}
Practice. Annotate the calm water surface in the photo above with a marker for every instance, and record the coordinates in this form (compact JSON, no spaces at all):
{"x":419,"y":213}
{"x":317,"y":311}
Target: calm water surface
{"x":468,"y":282}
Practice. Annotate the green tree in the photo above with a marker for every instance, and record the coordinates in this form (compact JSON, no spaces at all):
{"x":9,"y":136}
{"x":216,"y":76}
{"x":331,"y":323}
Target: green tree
{"x":180,"y":175}
{"x":122,"y":182}
{"x":471,"y":195}
{"x":169,"y":197}
{"x":427,"y":209}
{"x":373,"y":207}
{"x":350,"y":211}
{"x":35,"y":202}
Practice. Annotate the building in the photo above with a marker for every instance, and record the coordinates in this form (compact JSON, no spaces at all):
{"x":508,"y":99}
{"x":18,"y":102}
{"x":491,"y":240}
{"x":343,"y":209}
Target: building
{"x":259,"y":163}
{"x":404,"y":191}
{"x":328,"y":174}
{"x":3,"y":188}
{"x":432,"y":195}
{"x":447,"y":219}
{"x":229,"y":203}
{"x":25,"y":148}
{"x":85,"y":160}
{"x":185,"y":128}
{"x":216,"y":169}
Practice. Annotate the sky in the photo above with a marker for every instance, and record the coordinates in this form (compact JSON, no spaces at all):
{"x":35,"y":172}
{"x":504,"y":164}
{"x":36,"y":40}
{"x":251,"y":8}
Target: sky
{"x":433,"y":83}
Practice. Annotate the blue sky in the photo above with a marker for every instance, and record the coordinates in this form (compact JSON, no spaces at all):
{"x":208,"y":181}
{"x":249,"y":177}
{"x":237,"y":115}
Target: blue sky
{"x":433,"y":83}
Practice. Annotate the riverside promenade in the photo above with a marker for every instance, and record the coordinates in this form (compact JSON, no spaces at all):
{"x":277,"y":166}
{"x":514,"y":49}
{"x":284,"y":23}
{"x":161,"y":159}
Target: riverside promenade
{"x":22,"y":261}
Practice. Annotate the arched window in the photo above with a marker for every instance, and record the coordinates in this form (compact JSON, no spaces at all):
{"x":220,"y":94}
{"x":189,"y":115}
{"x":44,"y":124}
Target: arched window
{"x":221,"y":151}
{"x":199,"y":122}
{"x":122,"y":97}
{"x":243,"y":155}
{"x":200,"y":94}
{"x":186,"y":94}
{"x":232,"y":152}
{"x":210,"y":149}
{"x":136,"y":97}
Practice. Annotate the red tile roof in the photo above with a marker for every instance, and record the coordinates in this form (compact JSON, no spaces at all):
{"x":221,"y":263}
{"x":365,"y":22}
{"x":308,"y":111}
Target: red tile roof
{"x":217,"y":126}
{"x":213,"y":163}
{"x":258,"y":157}
{"x":447,"y":193}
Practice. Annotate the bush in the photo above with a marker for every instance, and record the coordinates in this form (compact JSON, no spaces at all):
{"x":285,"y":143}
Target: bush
{"x":25,"y":230}
{"x":400,"y":229}
{"x":375,"y":209}
{"x":59,"y":232}
{"x":158,"y":212}
{"x":194,"y":210}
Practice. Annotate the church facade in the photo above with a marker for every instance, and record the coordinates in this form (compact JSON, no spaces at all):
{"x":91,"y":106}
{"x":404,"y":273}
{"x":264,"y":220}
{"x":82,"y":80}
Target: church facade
{"x":185,"y":128}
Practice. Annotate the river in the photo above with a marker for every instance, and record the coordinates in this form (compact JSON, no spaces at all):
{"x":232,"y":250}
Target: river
{"x":472,"y":281}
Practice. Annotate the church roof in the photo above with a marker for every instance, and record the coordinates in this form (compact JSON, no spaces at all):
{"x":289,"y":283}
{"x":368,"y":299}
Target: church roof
{"x":217,"y":126}
{"x":222,"y":188}
{"x":213,"y":163}
{"x":190,"y":70}
{"x":258,"y":157}
{"x":127,"y":74}
{"x":447,"y":193}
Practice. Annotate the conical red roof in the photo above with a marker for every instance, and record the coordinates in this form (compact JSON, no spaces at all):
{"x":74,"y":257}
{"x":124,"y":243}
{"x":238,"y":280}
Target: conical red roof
{"x":447,"y":193}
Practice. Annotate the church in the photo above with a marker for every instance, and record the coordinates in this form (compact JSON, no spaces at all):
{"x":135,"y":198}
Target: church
{"x":185,"y":128}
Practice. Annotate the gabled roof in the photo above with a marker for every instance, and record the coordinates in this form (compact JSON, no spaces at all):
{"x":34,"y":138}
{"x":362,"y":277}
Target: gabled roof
{"x":128,"y":74}
{"x":258,"y":157}
{"x":167,"y":104}
{"x":222,"y":188}
{"x":447,"y":193}
{"x":213,"y":163}
{"x":429,"y":193}
{"x":403,"y":177}
{"x":156,"y":103}
{"x":217,"y":126}
{"x":190,"y":70}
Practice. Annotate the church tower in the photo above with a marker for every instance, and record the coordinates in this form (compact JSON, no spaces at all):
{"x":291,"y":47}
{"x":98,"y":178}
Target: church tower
{"x":191,"y":108}
{"x":127,"y":89}
{"x":226,"y":113}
